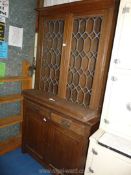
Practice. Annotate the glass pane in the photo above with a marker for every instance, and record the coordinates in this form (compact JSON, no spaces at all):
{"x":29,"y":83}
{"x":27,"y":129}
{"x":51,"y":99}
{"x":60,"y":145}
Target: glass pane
{"x":53,"y":39}
{"x":85,"y":42}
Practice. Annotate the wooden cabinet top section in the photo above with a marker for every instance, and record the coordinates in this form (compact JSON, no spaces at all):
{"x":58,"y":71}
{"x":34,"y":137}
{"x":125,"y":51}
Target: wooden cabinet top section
{"x":77,"y":7}
{"x":74,"y":49}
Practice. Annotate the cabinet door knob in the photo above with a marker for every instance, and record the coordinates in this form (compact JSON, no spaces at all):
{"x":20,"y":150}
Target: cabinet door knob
{"x":91,"y":170}
{"x":44,"y":119}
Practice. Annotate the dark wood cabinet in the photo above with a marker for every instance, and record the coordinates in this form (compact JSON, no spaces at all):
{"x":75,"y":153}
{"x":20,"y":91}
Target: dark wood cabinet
{"x":56,"y":133}
{"x":73,"y":55}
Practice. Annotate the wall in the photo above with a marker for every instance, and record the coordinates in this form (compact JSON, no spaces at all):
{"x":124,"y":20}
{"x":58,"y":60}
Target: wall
{"x":54,"y":2}
{"x":21,"y":14}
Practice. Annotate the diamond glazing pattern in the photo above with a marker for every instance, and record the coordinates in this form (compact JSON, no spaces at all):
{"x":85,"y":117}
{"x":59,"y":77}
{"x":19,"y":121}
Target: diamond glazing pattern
{"x":53,"y":39}
{"x":85,"y":42}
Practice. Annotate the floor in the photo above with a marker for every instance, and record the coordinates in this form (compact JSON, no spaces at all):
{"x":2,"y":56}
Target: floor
{"x":16,"y":163}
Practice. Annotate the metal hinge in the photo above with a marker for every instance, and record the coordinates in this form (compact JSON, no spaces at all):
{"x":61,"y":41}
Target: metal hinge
{"x":32,"y":68}
{"x":126,"y":10}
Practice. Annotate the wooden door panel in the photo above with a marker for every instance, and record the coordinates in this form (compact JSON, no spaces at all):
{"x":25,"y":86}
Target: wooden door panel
{"x":66,"y":151}
{"x":35,"y":131}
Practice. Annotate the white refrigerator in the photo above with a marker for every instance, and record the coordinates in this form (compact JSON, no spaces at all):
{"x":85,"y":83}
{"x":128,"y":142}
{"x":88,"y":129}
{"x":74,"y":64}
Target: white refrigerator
{"x":110,"y":147}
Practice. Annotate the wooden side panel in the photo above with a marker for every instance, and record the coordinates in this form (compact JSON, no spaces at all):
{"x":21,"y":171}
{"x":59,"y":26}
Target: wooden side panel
{"x":26,"y":84}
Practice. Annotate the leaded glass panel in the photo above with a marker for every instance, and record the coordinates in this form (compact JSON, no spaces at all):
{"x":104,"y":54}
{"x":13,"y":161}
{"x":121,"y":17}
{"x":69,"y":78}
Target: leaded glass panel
{"x":53,"y":39}
{"x":85,"y":42}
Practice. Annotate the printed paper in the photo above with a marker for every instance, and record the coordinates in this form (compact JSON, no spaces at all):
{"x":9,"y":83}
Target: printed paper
{"x":3,"y":50}
{"x":4,"y":8}
{"x":2,"y":31}
{"x":2,"y":19}
{"x":15,"y":36}
{"x":2,"y":70}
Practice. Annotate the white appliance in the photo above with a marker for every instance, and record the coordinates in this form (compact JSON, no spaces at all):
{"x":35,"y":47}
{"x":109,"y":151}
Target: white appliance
{"x":108,"y":155}
{"x":110,"y":147}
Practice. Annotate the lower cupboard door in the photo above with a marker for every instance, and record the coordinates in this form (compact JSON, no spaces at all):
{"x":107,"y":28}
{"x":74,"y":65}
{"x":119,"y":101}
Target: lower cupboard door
{"x":66,"y":151}
{"x":33,"y":132}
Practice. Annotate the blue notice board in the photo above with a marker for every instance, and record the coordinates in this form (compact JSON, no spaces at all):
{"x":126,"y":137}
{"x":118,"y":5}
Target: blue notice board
{"x":3,"y":50}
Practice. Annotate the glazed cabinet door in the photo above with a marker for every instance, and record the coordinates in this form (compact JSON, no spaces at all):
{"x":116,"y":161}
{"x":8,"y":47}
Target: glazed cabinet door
{"x":84,"y":65}
{"x":50,"y":40}
{"x":86,"y":35}
{"x":34,"y":130}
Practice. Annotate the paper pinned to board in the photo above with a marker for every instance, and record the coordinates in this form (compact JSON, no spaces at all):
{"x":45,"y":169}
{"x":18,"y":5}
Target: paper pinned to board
{"x":4,"y":8}
{"x":2,"y":70}
{"x":3,"y":50}
{"x":15,"y":36}
{"x":2,"y":31}
{"x":2,"y":19}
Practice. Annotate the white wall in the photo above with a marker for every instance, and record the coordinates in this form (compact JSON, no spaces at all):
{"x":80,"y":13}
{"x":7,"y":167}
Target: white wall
{"x":54,"y":2}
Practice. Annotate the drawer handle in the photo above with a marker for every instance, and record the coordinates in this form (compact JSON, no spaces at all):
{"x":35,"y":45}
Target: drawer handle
{"x":44,"y":119}
{"x":116,"y":61}
{"x":65,"y":123}
{"x":113,"y":78}
{"x":94,"y":151}
{"x":106,"y":121}
{"x":91,"y":170}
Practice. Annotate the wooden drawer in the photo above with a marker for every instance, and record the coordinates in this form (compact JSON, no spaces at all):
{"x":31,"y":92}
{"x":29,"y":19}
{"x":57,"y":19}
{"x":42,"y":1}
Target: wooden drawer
{"x":68,"y":124}
{"x":40,"y":110}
